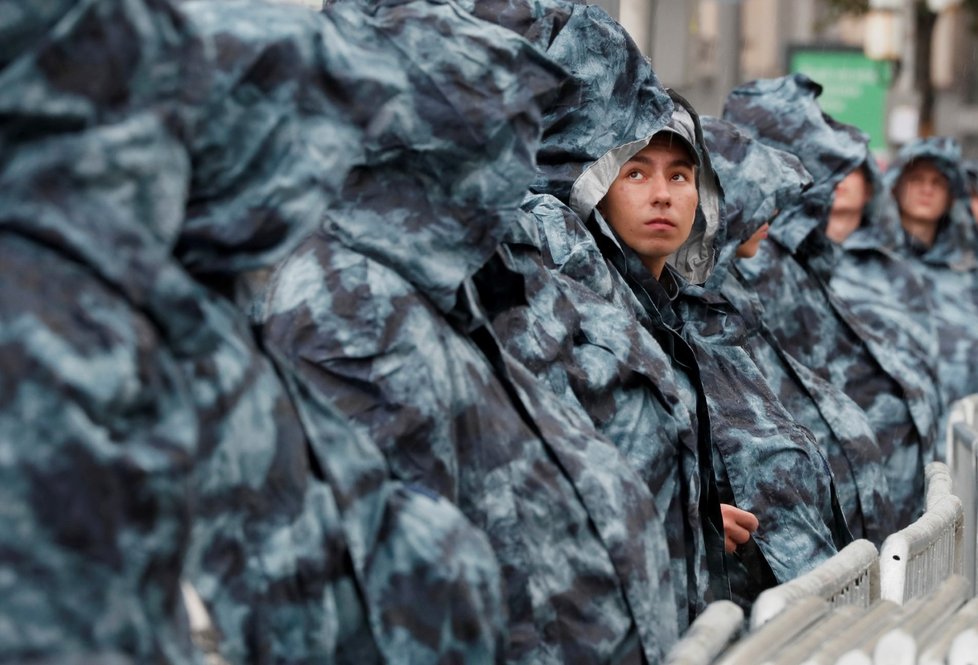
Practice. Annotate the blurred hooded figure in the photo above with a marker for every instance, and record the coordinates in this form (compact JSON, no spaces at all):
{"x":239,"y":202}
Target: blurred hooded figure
{"x":940,"y":239}
{"x":813,"y":322}
{"x":150,"y":156}
{"x":773,"y":464}
{"x":576,"y":327}
{"x":760,"y":183}
{"x":378,"y":311}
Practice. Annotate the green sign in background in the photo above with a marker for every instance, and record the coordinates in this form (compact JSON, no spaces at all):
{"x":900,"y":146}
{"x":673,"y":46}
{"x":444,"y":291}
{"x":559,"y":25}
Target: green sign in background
{"x":853,"y":87}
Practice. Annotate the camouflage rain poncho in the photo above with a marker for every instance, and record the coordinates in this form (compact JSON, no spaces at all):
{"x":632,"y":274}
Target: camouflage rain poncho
{"x":812,"y":322}
{"x":379,"y":313}
{"x":949,"y":267}
{"x":576,"y":328}
{"x":768,"y":464}
{"x":149,"y":157}
{"x":758,"y":182}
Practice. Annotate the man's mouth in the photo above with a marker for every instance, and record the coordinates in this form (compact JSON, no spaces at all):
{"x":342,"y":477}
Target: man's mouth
{"x":659,"y":222}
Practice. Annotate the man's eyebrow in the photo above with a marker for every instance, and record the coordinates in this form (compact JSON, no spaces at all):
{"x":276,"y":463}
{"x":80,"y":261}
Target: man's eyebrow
{"x":676,"y":162}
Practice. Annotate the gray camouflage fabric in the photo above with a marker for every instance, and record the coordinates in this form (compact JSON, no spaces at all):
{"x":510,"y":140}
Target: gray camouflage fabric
{"x":950,"y":267}
{"x":379,"y":313}
{"x":769,"y":464}
{"x":146,"y":434}
{"x":577,"y":328}
{"x":759,"y":182}
{"x":814,"y":323}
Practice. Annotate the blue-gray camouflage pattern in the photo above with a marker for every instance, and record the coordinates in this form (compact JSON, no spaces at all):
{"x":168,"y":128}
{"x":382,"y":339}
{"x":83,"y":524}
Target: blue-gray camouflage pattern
{"x":768,"y":463}
{"x":379,"y":313}
{"x":950,"y":267}
{"x":812,"y":322}
{"x":595,"y":352}
{"x":758,"y":183}
{"x":576,"y":328}
{"x":151,"y":154}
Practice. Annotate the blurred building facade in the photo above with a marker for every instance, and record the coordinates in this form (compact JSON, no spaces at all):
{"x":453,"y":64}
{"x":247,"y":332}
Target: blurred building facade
{"x":704,"y":48}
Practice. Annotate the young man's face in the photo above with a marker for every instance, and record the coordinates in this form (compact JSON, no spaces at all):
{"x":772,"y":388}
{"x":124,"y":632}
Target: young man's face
{"x":652,"y":203}
{"x":923,"y":193}
{"x":974,"y":206}
{"x":851,"y":196}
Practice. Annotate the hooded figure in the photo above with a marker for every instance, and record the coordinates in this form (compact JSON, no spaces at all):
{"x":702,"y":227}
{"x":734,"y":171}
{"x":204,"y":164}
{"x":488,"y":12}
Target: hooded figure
{"x":948,"y":262}
{"x":576,"y":328}
{"x":378,"y":311}
{"x":152,"y":154}
{"x":758,"y":183}
{"x":768,"y":463}
{"x":810,"y":320}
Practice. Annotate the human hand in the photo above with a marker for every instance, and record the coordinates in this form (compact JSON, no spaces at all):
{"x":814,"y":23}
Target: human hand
{"x":738,"y":525}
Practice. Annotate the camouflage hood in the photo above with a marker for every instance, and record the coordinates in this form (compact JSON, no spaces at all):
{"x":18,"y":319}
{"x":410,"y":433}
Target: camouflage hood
{"x":784,"y":113}
{"x":759,"y":183}
{"x":609,"y":110}
{"x":133,"y":176}
{"x":24,"y":24}
{"x":151,"y":151}
{"x":423,"y":201}
{"x":955,"y":243}
{"x":694,"y":259}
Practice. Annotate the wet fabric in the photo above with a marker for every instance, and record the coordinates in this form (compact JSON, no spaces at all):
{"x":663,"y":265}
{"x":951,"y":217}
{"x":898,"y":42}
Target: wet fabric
{"x":578,"y":327}
{"x":772,"y":465}
{"x":150,"y":155}
{"x":811,"y":321}
{"x":949,"y":267}
{"x":759,"y":182}
{"x":378,"y":311}
{"x":576,"y":331}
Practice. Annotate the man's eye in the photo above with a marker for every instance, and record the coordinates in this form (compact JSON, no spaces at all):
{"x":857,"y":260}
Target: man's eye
{"x":634,"y":175}
{"x":680,"y":177}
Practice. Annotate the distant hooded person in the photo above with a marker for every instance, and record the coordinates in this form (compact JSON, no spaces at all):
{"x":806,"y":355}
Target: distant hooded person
{"x":148,"y":435}
{"x":810,"y":319}
{"x":939,"y":236}
{"x":378,"y":311}
{"x":759,"y":184}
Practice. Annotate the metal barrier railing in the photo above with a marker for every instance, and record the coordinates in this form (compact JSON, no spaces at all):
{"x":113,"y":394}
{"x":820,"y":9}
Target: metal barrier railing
{"x":851,"y":577}
{"x":963,"y":459}
{"x":712,"y":632}
{"x":915,"y":560}
{"x":937,"y":481}
{"x":919,"y":622}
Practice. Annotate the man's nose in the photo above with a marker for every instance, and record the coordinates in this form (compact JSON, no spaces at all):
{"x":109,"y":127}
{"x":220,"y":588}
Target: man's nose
{"x":660,"y":194}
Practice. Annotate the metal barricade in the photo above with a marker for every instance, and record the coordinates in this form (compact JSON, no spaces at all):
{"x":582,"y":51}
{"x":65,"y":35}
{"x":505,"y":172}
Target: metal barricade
{"x":851,"y":577}
{"x":963,"y":459}
{"x":765,"y":643}
{"x":915,"y":560}
{"x":965,"y":620}
{"x":904,"y":641}
{"x":937,"y":483}
{"x":719,"y":625}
